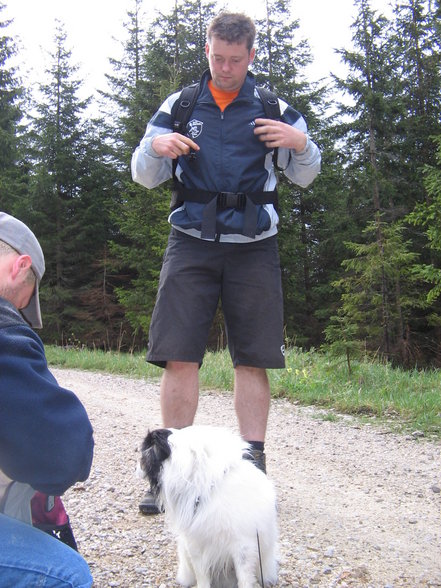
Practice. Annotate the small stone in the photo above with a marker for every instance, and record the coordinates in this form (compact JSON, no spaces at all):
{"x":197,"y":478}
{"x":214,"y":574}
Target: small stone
{"x":142,"y":570}
{"x":436,"y":489}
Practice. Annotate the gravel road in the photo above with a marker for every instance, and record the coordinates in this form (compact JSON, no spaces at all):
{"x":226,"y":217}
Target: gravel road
{"x":359,"y":507}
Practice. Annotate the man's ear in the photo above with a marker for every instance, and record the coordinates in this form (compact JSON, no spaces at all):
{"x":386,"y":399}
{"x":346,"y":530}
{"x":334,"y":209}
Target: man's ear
{"x":252,"y":55}
{"x":21,"y":264}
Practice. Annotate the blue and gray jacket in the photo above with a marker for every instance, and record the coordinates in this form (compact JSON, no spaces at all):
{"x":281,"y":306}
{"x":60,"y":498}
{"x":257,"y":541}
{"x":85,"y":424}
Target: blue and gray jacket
{"x":46,"y":438}
{"x":231,"y":160}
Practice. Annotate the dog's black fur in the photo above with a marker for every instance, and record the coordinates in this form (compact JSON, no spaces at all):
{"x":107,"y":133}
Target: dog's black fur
{"x":155,"y":450}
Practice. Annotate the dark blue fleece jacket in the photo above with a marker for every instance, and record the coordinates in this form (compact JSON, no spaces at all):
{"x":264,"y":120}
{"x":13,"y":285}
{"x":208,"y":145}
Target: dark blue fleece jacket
{"x":46,"y":439}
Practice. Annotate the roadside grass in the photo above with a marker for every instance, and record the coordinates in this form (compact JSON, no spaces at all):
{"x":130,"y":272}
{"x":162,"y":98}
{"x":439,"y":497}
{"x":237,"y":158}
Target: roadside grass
{"x":406,"y":401}
{"x":132,"y":365}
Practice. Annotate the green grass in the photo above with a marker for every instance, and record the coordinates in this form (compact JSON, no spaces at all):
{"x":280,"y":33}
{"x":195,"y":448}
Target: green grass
{"x":127,"y":364}
{"x":403,"y":400}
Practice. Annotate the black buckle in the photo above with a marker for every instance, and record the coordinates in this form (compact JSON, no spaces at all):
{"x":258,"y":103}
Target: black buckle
{"x":231,"y":200}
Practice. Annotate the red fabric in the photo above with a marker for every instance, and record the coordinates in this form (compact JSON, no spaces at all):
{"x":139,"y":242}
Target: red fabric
{"x":48,"y":510}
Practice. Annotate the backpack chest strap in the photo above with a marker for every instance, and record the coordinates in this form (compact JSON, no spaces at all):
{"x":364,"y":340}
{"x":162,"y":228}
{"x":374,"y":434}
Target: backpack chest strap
{"x":214,"y":201}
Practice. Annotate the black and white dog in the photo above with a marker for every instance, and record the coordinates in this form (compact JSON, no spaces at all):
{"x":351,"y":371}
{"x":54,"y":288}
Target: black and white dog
{"x":221,"y":507}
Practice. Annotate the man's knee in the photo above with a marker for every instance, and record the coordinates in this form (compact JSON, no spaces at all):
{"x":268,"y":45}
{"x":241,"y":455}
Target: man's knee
{"x":182,"y":367}
{"x":29,"y":556}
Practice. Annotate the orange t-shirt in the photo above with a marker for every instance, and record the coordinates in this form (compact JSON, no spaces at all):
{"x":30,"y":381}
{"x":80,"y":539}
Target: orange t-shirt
{"x":221,"y":97}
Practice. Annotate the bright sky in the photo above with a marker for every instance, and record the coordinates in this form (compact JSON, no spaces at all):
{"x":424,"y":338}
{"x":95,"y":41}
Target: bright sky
{"x":95,"y":31}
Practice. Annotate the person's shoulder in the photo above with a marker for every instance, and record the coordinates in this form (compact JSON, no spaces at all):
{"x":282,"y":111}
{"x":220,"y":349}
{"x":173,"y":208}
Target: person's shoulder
{"x":16,"y":333}
{"x":163,"y":116}
{"x":9,"y":315}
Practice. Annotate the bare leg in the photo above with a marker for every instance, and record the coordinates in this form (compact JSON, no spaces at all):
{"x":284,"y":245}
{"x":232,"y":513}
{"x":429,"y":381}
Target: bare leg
{"x":252,"y":401}
{"x":179,"y":394}
{"x":179,"y":401}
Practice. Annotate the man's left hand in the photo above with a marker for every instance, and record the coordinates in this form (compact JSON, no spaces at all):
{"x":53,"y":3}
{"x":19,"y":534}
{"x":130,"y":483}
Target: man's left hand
{"x":275,"y":133}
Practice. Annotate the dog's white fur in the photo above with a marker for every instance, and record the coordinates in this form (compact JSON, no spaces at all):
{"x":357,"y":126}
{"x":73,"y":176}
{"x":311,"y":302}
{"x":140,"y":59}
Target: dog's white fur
{"x":221,"y":508}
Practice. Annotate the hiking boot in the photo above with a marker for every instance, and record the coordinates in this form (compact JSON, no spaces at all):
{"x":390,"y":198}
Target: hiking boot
{"x":148,"y":505}
{"x":257,"y":457}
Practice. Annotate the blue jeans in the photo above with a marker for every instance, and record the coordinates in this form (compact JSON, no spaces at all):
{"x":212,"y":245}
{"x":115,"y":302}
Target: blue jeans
{"x":30,"y":557}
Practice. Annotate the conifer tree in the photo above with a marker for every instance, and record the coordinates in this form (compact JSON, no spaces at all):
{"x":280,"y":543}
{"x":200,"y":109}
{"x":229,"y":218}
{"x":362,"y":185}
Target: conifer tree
{"x":67,"y":196}
{"x":13,"y":176}
{"x":136,"y":248}
{"x":371,"y":139}
{"x":395,"y":90}
{"x":56,"y":154}
{"x":427,"y":215}
{"x":171,"y":55}
{"x":416,"y":44}
{"x":280,"y":64}
{"x":378,"y":292}
{"x":130,"y":99}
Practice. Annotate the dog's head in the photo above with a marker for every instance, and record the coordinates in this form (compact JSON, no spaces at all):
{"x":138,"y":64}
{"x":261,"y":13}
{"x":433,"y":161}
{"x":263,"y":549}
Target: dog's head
{"x":155,"y":450}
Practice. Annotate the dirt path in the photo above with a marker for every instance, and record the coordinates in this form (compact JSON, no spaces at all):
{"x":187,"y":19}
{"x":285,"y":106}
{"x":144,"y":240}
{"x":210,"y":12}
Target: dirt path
{"x":358,"y":507}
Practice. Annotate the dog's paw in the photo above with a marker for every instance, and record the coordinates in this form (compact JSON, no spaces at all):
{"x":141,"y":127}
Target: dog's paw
{"x":185,"y":576}
{"x":185,"y":581}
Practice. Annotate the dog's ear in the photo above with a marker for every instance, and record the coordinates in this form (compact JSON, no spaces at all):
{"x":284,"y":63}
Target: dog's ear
{"x":157,"y":440}
{"x":155,"y":449}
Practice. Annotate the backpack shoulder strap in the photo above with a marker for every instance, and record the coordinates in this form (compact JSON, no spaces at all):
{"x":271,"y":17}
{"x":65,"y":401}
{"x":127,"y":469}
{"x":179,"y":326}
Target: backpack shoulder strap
{"x":270,"y":102}
{"x":271,"y":107}
{"x":183,"y":107}
{"x":181,"y":112}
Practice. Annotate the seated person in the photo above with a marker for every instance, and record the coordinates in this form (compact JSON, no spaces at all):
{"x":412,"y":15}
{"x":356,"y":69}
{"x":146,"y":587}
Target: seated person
{"x":46,"y":439}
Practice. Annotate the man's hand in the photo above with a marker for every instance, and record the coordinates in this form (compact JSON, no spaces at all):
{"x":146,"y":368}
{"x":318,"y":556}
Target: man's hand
{"x":173,"y":145}
{"x":275,"y":133}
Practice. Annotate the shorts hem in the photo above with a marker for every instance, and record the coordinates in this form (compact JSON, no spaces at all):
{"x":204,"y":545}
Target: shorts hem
{"x":263,"y":365}
{"x":162,"y":363}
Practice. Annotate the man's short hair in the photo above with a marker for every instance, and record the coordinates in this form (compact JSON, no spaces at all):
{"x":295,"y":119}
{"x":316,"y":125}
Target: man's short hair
{"x":232,"y":27}
{"x":6,"y":249}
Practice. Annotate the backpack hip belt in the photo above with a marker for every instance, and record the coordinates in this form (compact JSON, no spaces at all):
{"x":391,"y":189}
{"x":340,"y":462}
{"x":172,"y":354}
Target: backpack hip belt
{"x":215,"y":201}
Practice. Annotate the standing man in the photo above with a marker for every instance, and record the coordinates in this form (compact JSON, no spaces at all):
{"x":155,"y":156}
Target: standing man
{"x":223,"y":242}
{"x":46,"y":439}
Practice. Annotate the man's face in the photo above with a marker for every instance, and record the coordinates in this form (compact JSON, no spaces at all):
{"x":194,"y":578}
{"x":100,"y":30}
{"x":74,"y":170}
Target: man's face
{"x":228,"y":63}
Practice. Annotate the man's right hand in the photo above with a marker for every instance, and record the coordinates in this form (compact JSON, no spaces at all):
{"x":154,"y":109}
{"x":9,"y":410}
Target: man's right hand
{"x":173,"y":145}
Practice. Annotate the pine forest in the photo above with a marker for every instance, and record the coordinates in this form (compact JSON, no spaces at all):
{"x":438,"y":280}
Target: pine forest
{"x":360,"y":247}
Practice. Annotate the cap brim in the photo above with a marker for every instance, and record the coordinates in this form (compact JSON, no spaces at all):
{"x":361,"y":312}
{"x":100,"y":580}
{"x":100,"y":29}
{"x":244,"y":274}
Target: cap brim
{"x":32,"y":311}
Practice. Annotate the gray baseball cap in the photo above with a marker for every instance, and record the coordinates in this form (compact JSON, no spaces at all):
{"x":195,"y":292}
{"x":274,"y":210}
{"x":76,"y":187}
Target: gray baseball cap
{"x":22,"y":239}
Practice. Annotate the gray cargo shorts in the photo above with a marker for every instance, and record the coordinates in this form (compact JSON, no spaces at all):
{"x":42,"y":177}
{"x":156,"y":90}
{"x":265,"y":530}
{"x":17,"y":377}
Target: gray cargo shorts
{"x":195,"y":275}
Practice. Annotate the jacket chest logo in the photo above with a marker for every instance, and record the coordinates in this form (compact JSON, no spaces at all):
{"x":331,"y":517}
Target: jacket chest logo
{"x":194,"y":128}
